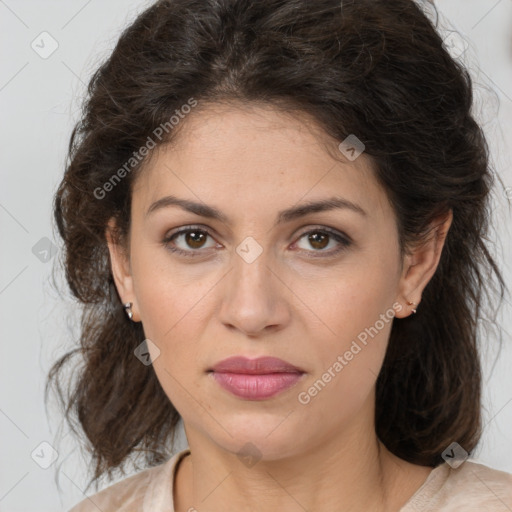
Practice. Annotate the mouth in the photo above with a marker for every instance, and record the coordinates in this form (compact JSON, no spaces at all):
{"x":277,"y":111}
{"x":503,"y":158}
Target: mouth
{"x":258,"y":366}
{"x":255,"y":379}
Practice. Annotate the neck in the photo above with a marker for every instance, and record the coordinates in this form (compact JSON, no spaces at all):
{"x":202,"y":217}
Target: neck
{"x":334,"y":474}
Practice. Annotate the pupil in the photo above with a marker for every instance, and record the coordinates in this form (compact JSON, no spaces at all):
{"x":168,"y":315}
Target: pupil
{"x":195,"y":243}
{"x":314,"y":240}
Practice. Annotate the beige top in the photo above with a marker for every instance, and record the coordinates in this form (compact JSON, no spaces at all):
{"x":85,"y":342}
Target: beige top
{"x":472,"y":487}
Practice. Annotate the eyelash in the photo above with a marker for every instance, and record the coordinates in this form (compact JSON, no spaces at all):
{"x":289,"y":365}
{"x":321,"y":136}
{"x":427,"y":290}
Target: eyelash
{"x":344,"y":242}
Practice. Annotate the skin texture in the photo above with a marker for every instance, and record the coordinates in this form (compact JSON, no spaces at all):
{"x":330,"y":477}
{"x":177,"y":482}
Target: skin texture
{"x":251,"y":163}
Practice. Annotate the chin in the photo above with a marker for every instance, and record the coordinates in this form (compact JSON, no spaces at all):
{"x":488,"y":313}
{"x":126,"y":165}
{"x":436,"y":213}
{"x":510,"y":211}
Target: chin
{"x":268,"y":439}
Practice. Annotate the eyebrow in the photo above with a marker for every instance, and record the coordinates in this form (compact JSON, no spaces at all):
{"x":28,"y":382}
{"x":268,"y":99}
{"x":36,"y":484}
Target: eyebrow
{"x":287,"y":215}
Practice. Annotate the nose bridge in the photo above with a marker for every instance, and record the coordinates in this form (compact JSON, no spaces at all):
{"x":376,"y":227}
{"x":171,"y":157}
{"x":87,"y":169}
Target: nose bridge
{"x":251,"y":299}
{"x":251,"y":276}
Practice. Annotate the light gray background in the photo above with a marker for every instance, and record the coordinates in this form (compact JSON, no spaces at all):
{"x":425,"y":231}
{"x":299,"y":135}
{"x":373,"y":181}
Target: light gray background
{"x":39,"y":103}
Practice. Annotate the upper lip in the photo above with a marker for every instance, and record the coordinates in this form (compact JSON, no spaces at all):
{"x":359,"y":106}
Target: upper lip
{"x":258,"y":366}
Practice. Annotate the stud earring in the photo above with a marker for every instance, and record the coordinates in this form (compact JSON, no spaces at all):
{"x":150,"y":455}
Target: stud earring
{"x":128,"y":309}
{"x":412,"y":304}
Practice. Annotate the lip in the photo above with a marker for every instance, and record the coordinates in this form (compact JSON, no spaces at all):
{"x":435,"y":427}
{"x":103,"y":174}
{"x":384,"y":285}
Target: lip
{"x":258,"y":366}
{"x":255,"y":379}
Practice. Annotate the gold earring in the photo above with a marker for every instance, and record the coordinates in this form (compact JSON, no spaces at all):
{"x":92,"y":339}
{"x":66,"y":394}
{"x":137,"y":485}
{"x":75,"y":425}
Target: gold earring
{"x":412,"y":304}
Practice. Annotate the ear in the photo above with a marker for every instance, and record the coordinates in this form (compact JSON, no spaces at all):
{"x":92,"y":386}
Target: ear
{"x":121,"y":271}
{"x":421,"y":263}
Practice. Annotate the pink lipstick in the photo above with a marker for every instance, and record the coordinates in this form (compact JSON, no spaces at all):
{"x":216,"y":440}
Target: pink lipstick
{"x":256,"y":379}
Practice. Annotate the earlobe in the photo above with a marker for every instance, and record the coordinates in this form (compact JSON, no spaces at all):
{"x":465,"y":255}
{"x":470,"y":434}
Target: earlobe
{"x":409,"y":303}
{"x":421,"y":264}
{"x":120,"y":268}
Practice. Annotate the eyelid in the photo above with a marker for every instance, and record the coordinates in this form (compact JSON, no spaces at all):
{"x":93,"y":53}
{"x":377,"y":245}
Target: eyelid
{"x":210,"y":232}
{"x":183,"y":230}
{"x":186,"y":228}
{"x":326,"y":229}
{"x":343,"y":240}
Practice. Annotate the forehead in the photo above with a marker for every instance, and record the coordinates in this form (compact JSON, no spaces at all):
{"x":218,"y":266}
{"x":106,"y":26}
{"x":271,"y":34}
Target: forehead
{"x":255,"y":155}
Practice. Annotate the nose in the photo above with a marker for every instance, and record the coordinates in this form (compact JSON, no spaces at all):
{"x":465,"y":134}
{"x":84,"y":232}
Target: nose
{"x":253,"y":297}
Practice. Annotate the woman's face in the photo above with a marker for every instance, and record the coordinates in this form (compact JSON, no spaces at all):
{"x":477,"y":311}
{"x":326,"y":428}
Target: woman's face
{"x":317,"y":289}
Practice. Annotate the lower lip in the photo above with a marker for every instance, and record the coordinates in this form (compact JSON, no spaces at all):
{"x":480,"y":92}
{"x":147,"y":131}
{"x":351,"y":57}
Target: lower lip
{"x":256,"y":387}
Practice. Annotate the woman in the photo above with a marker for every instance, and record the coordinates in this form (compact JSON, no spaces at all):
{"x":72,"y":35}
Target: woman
{"x":274,"y":214}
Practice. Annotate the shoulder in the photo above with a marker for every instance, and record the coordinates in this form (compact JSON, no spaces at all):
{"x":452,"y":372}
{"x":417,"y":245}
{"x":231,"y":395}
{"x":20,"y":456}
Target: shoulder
{"x":471,"y":487}
{"x":131,"y":494}
{"x":484,"y":483}
{"x":127,"y":494}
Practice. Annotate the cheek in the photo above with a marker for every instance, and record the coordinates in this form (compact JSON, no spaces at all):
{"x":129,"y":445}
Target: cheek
{"x":166,"y":295}
{"x":166,"y":308}
{"x":174,"y":316}
{"x":355,"y":318}
{"x":346,"y":369}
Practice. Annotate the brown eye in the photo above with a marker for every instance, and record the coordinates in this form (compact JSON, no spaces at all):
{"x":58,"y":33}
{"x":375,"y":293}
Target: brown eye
{"x":188,"y":242}
{"x":195,"y":239}
{"x":319,"y":239}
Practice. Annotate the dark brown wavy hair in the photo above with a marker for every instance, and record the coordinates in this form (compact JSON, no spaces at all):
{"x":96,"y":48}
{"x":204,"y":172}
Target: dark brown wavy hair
{"x":374,"y":68}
